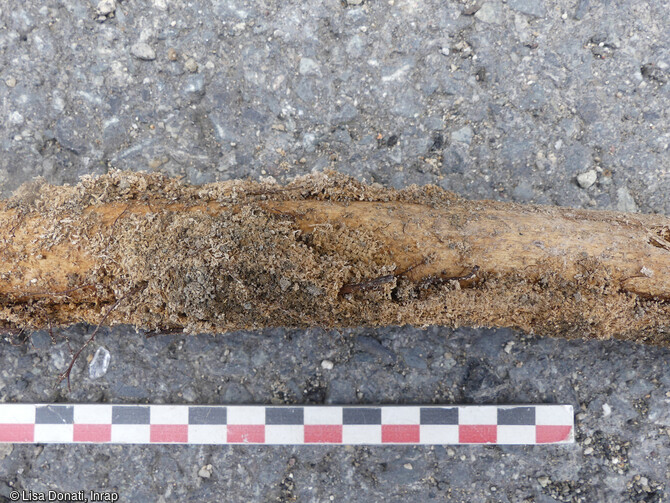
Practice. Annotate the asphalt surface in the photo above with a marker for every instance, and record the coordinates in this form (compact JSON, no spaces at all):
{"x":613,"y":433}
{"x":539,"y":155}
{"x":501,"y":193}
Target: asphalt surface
{"x":551,"y":102}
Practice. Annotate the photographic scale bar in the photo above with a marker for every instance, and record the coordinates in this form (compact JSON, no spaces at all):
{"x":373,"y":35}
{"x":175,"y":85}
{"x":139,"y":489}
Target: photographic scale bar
{"x":286,"y":424}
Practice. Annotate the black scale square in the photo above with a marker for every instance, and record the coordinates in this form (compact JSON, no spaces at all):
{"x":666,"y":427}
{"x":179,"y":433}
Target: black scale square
{"x":517,"y":416}
{"x":207,"y":415}
{"x":54,"y":414}
{"x":361,"y":415}
{"x":130,"y":414}
{"x":431,"y":415}
{"x":284,"y":415}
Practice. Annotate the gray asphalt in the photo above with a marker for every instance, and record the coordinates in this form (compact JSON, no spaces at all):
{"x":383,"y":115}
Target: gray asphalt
{"x":551,"y":102}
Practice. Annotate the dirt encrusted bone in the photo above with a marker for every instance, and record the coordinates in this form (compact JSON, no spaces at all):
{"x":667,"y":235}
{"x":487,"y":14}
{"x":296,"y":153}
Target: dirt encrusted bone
{"x":324,"y":250}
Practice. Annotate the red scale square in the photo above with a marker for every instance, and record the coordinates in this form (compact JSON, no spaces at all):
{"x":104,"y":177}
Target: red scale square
{"x":246,"y":433}
{"x":17,"y":432}
{"x":323,"y":434}
{"x":477,"y":434}
{"x":168,"y":433}
{"x":400,"y":433}
{"x":92,"y":433}
{"x":549,"y":434}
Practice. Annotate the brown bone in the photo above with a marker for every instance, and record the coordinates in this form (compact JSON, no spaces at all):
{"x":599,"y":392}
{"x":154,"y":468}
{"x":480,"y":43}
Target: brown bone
{"x":324,"y":251}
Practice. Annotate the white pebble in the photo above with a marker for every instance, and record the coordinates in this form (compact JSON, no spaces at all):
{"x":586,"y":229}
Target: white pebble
{"x":544,"y":480}
{"x":142,"y":50}
{"x":191,"y":65}
{"x":15,"y":118}
{"x":327,"y":364}
{"x":205,"y":472}
{"x":607,"y":410}
{"x":585,"y":180}
{"x":99,"y":364}
{"x":106,"y":7}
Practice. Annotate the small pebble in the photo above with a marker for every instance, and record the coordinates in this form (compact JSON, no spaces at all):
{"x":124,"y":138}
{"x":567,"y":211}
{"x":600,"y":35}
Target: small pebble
{"x":16,"y":117}
{"x":172,"y":54}
{"x":544,"y":480}
{"x":99,"y":364}
{"x":142,"y":50}
{"x":491,"y":12}
{"x":625,"y":201}
{"x":11,"y":82}
{"x":191,"y":65}
{"x":588,"y":450}
{"x":308,"y":66}
{"x":189,"y":394}
{"x":607,"y":410}
{"x":463,"y":135}
{"x":205,"y":472}
{"x":284,"y":284}
{"x":585,"y":180}
{"x":408,"y":466}
{"x":327,"y":364}
{"x":106,"y":7}
{"x":5,"y":450}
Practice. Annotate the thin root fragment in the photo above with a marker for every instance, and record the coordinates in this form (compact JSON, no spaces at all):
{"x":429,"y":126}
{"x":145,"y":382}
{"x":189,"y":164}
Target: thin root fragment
{"x":68,"y":371}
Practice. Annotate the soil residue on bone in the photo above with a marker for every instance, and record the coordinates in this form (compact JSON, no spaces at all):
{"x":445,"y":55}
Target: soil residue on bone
{"x":221,"y":257}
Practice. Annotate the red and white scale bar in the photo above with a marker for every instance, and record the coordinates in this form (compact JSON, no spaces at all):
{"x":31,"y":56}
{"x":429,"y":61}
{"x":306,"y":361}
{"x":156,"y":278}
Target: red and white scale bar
{"x":285,"y":425}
